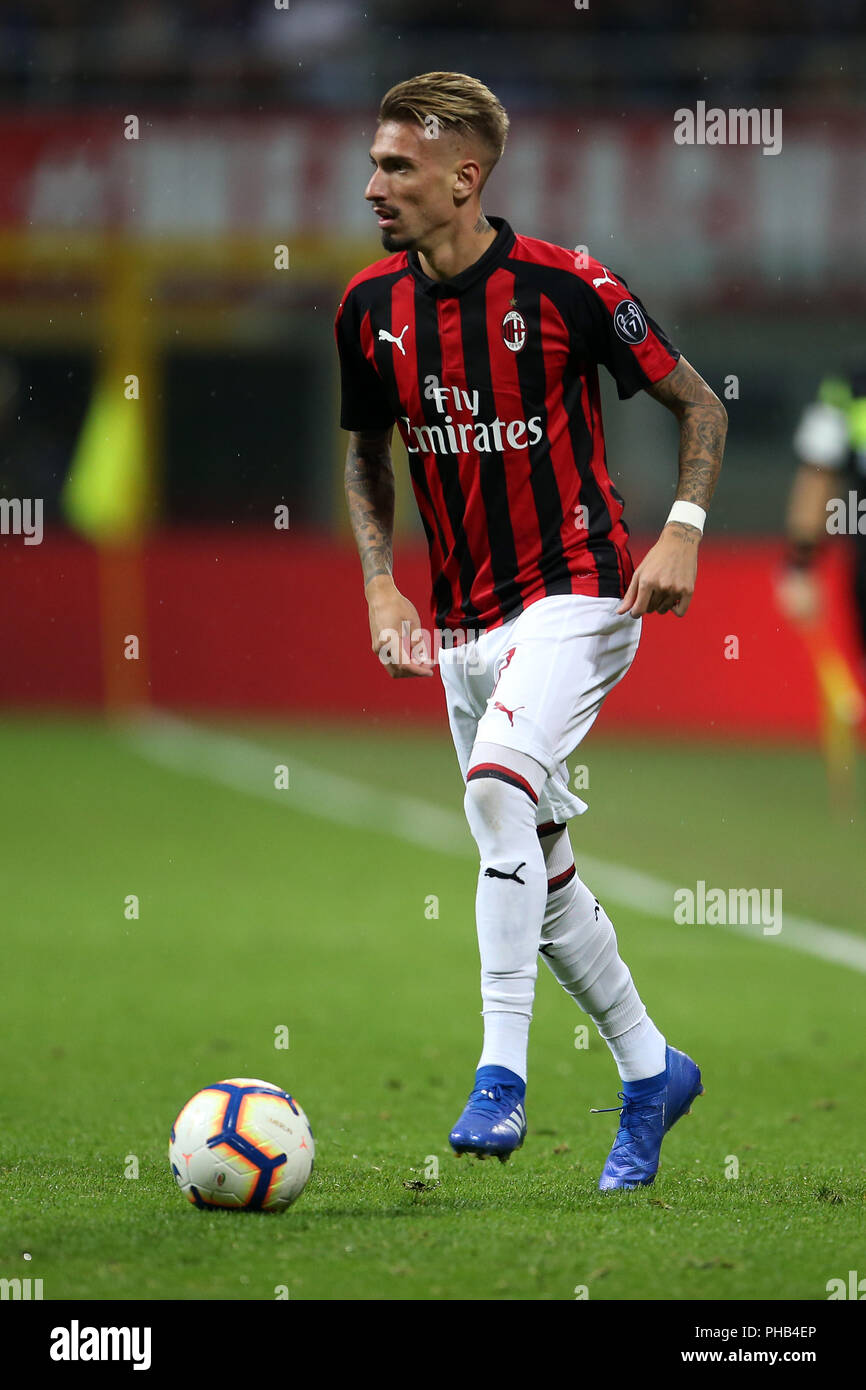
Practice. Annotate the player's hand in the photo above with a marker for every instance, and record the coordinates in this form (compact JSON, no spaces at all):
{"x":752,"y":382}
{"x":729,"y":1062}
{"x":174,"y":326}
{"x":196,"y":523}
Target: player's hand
{"x":798,"y":595}
{"x":664,"y":581}
{"x":395,"y":628}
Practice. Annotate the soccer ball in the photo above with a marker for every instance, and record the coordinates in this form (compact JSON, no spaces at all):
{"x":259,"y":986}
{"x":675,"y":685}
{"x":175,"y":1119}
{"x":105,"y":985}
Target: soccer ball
{"x":242,"y":1144}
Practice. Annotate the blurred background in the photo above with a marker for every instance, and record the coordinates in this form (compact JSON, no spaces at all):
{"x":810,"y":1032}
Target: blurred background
{"x":181,"y":207}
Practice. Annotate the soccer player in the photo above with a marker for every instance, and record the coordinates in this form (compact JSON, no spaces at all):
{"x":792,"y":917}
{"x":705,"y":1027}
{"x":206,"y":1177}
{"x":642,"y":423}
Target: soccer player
{"x":483,"y":346}
{"x":830,"y":443}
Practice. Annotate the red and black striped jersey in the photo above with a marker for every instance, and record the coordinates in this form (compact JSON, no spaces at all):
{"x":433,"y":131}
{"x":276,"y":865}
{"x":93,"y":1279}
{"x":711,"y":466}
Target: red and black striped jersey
{"x":492,"y":379}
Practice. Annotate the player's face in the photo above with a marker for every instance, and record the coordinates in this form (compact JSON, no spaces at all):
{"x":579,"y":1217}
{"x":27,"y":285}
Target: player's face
{"x":413,"y":183}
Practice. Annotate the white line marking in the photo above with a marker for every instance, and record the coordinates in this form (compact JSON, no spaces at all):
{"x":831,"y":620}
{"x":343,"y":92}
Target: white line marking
{"x":249,"y":768}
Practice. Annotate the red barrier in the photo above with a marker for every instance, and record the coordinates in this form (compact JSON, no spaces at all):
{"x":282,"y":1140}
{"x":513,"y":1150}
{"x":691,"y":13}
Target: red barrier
{"x":278,"y":624}
{"x":287,"y":175}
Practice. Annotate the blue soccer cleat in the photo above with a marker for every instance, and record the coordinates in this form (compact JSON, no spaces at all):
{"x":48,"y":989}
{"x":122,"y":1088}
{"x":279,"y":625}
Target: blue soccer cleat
{"x":645,"y":1120}
{"x":494,"y":1121}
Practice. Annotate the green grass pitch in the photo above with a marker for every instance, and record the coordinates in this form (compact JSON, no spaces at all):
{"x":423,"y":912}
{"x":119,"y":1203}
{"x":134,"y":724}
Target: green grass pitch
{"x":255,"y":913}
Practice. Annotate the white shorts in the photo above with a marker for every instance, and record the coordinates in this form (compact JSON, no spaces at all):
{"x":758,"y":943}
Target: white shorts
{"x":536,"y":684}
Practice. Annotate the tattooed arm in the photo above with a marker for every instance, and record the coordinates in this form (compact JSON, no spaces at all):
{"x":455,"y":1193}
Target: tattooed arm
{"x":369,"y":482}
{"x":664,"y":581}
{"x":703,"y":423}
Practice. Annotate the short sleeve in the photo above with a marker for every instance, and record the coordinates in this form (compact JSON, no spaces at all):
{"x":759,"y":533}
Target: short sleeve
{"x":363,"y":402}
{"x":614,"y":328}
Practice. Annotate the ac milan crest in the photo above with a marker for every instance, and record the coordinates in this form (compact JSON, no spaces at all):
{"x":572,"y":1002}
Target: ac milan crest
{"x":514,"y":330}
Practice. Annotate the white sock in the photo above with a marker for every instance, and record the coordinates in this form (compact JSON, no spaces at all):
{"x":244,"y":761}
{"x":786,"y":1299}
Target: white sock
{"x":501,"y":804}
{"x":506,"y":1041}
{"x":579,"y":945}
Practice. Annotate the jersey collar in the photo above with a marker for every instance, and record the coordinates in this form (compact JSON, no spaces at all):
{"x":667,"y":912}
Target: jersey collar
{"x":495,"y":253}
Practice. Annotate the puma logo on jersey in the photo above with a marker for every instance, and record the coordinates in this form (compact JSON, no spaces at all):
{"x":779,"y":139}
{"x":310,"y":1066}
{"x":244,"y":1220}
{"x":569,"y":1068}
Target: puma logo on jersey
{"x":495,"y":873}
{"x":604,"y":279}
{"x":497,"y":704}
{"x":386,"y":337}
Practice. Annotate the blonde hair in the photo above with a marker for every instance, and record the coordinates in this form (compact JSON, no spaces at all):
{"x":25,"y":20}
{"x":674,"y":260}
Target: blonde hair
{"x":457,"y":103}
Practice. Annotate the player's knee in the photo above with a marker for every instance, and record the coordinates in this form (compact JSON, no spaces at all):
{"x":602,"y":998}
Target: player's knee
{"x":483,"y":803}
{"x":495,"y":808}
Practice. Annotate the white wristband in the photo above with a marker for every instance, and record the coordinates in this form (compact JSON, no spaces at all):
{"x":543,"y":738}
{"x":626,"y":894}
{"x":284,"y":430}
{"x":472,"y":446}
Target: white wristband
{"x":688,"y":512}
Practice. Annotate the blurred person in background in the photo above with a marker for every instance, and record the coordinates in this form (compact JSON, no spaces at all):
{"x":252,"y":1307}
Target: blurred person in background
{"x":828,"y":497}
